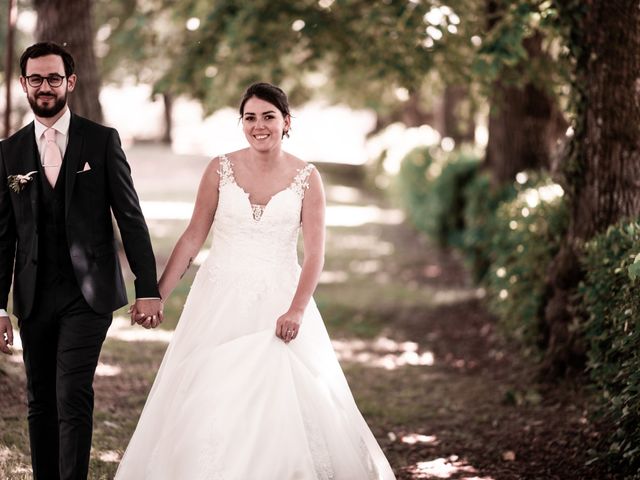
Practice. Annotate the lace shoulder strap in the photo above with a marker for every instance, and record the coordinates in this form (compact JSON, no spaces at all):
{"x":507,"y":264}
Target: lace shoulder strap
{"x":225,"y":171}
{"x":301,"y":181}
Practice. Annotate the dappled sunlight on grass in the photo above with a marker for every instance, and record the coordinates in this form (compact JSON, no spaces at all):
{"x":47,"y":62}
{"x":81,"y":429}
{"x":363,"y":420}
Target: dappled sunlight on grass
{"x":343,"y":194}
{"x":105,"y":370}
{"x":161,"y":229}
{"x":13,"y":465}
{"x":17,"y":347}
{"x":454,"y":295}
{"x":369,"y":243}
{"x":450,"y":467}
{"x":121,"y":329}
{"x":328,"y":277}
{"x":382,"y":353}
{"x":108,"y":456}
{"x":365,"y":266}
{"x":354,"y":216}
{"x":413,"y":438}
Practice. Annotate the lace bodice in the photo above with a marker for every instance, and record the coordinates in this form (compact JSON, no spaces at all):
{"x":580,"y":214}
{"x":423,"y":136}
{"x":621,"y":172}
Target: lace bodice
{"x":254,"y":235}
{"x":225,"y":367}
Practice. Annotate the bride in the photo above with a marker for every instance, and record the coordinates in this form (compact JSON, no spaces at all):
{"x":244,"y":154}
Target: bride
{"x":250,"y":388}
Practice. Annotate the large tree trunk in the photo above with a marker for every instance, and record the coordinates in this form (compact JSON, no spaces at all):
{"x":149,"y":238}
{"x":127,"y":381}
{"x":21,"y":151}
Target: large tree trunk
{"x":167,"y":134}
{"x":524,"y":122}
{"x":12,"y":17}
{"x":457,"y":112}
{"x":602,"y":164}
{"x":70,"y":23}
{"x":524,"y":126}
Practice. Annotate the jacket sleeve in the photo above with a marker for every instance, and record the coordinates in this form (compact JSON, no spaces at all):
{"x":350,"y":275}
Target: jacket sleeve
{"x":7,"y":235}
{"x":128,"y":214}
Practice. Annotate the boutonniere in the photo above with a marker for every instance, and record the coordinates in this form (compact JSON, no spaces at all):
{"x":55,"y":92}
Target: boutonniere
{"x":18,"y":182}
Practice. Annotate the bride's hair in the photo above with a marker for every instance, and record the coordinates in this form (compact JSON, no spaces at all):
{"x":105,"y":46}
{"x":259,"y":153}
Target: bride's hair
{"x":268,"y":93}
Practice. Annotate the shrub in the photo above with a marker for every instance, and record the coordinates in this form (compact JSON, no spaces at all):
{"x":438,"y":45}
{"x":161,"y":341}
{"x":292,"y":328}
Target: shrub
{"x":481,"y":202}
{"x":609,"y":294}
{"x":527,"y":234}
{"x":431,"y":186}
{"x":448,"y":201}
{"x":414,"y":187}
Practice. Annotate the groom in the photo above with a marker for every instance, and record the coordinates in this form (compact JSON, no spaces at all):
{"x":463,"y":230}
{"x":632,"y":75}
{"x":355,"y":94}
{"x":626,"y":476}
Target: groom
{"x":61,"y":177}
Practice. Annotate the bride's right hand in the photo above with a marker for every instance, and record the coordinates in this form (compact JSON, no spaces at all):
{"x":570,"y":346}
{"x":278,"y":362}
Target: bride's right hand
{"x":288,"y":325}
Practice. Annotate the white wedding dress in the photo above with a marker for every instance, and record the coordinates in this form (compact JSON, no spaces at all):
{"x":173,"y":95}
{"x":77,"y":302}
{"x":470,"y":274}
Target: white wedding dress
{"x":231,"y":401}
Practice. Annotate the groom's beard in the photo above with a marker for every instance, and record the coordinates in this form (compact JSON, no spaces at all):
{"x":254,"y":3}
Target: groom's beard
{"x":56,"y":104}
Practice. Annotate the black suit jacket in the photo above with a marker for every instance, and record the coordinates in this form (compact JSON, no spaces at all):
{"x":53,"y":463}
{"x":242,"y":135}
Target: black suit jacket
{"x":90,"y":197}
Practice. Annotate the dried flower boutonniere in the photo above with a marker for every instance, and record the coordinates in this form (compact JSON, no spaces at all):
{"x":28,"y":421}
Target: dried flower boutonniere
{"x":18,"y":182}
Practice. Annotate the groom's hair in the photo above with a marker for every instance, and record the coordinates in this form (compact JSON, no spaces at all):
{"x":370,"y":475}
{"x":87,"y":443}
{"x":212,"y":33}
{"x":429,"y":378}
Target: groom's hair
{"x":269,"y":93}
{"x":42,"y":49}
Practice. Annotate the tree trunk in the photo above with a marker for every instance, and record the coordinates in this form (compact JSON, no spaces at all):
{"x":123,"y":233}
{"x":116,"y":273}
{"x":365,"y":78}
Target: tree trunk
{"x":524,"y":122}
{"x":457,"y":113}
{"x":602,"y":163}
{"x":12,"y":17}
{"x":167,"y":99}
{"x":411,"y":113}
{"x":524,"y":126}
{"x":70,"y":23}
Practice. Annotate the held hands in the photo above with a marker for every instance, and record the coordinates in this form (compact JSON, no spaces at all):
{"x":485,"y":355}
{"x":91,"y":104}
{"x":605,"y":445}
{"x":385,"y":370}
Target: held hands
{"x":147,"y":312}
{"x":6,"y":335}
{"x":288,"y":325}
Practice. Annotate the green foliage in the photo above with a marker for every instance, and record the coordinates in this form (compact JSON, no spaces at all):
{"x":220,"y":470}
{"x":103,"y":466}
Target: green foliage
{"x":527,"y":235}
{"x":481,"y":202}
{"x":139,"y":40}
{"x":448,"y":197}
{"x":503,"y":54}
{"x":356,"y":51}
{"x":509,"y":234}
{"x":609,"y":294}
{"x":364,"y":48}
{"x":414,"y":186}
{"x":431,"y":187}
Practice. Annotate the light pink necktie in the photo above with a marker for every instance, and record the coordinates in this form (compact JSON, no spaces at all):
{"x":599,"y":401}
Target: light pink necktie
{"x":52,"y":159}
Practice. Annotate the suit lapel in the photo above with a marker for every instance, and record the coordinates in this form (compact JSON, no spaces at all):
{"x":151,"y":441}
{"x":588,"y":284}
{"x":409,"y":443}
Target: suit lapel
{"x":29,"y":163}
{"x":72,"y":159}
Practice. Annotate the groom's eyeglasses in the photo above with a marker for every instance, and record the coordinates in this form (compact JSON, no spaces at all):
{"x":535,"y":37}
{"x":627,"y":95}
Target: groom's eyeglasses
{"x":54,"y":80}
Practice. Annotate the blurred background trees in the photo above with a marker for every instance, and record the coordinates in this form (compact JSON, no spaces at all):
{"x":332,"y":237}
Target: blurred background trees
{"x":70,"y":23}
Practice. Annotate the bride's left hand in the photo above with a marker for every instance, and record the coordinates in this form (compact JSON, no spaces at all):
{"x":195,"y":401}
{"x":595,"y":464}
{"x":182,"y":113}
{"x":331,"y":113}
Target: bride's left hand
{"x":288,"y":326}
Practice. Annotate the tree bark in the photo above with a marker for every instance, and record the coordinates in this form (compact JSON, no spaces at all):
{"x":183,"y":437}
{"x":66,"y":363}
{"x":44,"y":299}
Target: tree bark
{"x":602,"y":164}
{"x":457,"y":113}
{"x":524,"y":122}
{"x":8,"y":70}
{"x":167,"y":137}
{"x":524,"y":126}
{"x":70,"y":24}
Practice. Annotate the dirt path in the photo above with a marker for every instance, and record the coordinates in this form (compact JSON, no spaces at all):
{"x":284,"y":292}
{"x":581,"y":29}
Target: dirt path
{"x":444,"y":395}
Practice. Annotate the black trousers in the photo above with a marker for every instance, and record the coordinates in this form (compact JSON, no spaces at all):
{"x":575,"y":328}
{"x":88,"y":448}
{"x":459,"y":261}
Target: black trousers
{"x":61,"y":342}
